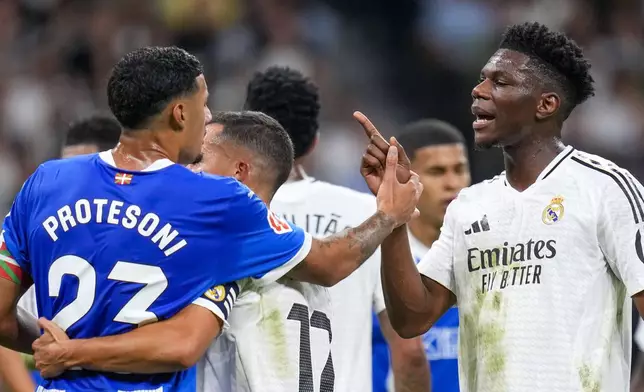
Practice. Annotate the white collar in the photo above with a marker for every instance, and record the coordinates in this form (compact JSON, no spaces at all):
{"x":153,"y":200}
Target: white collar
{"x":107,"y":157}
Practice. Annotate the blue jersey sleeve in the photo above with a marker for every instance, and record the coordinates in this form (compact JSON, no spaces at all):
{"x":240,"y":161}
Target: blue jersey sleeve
{"x":14,"y":251}
{"x":267,"y":246}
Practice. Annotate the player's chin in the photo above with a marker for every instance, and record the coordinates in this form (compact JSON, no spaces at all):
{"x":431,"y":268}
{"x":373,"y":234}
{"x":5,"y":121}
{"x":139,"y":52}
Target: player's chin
{"x":484,"y":141}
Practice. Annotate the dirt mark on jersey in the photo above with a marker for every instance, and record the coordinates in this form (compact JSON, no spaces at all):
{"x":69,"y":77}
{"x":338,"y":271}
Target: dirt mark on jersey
{"x":481,"y":338}
{"x":272,"y":324}
{"x":589,"y":379}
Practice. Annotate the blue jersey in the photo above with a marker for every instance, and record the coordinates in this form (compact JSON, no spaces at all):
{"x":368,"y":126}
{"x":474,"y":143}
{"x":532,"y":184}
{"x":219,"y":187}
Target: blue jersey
{"x":441,"y":348}
{"x":109,"y":250}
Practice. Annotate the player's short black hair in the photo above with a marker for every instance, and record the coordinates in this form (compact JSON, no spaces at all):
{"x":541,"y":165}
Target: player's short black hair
{"x":558,"y":60}
{"x":100,"y":130}
{"x":145,"y":80}
{"x":264,"y":136}
{"x":291,"y":99}
{"x":427,"y":133}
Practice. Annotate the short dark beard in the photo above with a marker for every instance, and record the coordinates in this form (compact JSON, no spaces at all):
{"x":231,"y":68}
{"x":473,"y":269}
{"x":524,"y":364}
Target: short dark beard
{"x":484,"y":147}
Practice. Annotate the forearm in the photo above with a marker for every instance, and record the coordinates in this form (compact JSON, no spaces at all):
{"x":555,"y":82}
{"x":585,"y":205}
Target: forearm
{"x":409,"y":302}
{"x":333,"y":258}
{"x":13,"y":373}
{"x":166,"y":346}
{"x":19,"y":331}
{"x":140,"y":351}
{"x":411,"y":375}
{"x":408,"y":360}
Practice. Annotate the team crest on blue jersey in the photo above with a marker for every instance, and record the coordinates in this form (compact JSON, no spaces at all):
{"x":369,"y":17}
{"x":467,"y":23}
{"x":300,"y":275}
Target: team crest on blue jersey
{"x":217,"y":293}
{"x":279,"y":225}
{"x":554,"y":212}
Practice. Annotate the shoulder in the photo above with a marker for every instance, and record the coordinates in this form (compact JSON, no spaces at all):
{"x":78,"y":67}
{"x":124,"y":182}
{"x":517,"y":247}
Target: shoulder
{"x":479,"y":191}
{"x":602,"y":176}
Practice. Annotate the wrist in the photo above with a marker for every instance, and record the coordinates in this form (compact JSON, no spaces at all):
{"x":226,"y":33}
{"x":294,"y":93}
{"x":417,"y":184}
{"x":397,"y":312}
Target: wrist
{"x":72,"y":353}
{"x":386,"y":220}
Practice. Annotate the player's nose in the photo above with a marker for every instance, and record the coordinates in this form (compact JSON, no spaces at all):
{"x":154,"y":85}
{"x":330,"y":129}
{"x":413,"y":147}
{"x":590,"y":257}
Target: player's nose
{"x":481,"y":90}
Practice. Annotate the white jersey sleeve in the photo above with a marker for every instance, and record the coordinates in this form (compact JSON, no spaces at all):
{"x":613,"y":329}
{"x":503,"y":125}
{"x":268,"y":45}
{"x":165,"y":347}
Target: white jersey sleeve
{"x":28,"y":301}
{"x":438,"y":263}
{"x":620,"y":229}
{"x":220,"y":300}
{"x":378,"y":295}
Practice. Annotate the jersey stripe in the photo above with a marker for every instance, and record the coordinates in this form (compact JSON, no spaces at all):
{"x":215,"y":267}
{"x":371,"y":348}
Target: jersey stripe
{"x":633,"y":182}
{"x":630,"y":195}
{"x":636,"y":199}
{"x":558,"y":163}
{"x":9,"y":269}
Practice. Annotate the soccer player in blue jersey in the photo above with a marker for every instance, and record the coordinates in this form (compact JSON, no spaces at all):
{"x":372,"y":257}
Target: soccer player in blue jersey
{"x":87,"y":136}
{"x":439,"y":155}
{"x":128,"y":237}
{"x":249,"y":146}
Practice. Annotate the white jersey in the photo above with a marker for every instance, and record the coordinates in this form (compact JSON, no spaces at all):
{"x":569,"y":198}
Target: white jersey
{"x":542,"y":277}
{"x":287,"y":336}
{"x":278,"y":339}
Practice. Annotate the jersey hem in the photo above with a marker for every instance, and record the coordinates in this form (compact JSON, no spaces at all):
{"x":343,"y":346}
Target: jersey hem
{"x":285,"y":268}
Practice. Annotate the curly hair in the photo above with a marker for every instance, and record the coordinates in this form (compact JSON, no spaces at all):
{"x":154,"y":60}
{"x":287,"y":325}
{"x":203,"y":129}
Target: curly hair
{"x":557,"y":59}
{"x":144,"y":81}
{"x":291,"y":99}
{"x":99,"y":129}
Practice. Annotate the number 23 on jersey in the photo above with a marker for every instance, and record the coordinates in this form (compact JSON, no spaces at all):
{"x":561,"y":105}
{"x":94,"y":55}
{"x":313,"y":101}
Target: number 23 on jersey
{"x":135,"y":311}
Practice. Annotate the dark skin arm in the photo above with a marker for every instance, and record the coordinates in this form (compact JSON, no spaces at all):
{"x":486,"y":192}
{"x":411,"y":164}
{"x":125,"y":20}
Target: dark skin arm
{"x":414,"y":302}
{"x":408,"y":360}
{"x":335,"y":257}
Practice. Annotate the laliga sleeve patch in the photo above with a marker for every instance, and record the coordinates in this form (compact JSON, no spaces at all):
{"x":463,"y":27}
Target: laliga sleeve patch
{"x":279,"y":225}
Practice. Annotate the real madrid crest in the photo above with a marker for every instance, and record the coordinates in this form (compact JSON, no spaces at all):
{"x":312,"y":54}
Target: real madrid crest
{"x":554,"y":211}
{"x":217,"y":293}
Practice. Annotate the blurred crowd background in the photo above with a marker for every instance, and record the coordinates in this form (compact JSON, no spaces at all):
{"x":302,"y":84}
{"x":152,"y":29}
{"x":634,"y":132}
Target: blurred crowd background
{"x":396,"y":61}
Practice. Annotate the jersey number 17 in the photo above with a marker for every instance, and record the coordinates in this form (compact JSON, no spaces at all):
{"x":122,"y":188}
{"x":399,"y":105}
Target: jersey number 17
{"x":319,"y":320}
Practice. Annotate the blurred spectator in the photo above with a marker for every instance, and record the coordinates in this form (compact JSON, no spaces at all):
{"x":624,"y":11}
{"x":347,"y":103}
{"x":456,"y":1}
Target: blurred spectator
{"x":395,"y":61}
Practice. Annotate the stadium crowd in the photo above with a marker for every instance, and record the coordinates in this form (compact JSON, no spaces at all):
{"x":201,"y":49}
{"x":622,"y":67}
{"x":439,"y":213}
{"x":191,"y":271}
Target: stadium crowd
{"x":400,"y":60}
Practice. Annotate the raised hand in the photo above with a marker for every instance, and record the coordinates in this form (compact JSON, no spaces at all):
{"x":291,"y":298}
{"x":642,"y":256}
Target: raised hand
{"x":395,"y":199}
{"x":49,"y":349}
{"x":373,"y":161}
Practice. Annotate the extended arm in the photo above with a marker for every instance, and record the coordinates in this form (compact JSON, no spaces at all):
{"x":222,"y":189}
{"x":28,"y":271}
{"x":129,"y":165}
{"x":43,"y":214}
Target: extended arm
{"x":166,"y":346}
{"x":408,"y":360}
{"x":334,"y":258}
{"x":414,"y":302}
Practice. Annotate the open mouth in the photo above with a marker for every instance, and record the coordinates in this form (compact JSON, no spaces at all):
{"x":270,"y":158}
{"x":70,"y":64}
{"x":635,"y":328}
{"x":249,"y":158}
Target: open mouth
{"x":482,"y":120}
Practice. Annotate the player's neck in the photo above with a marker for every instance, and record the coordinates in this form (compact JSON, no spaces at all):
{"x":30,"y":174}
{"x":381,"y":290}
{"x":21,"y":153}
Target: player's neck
{"x":297,"y":173}
{"x":139,"y":149}
{"x":426,"y":233}
{"x":525,"y":161}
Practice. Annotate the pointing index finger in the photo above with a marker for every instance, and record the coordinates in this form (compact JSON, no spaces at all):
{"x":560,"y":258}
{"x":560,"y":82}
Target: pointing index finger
{"x":369,"y":129}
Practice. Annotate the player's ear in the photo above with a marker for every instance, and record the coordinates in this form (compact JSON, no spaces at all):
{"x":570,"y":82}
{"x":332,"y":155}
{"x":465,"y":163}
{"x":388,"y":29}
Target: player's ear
{"x":177,"y":116}
{"x":242,"y":171}
{"x":548,"y":105}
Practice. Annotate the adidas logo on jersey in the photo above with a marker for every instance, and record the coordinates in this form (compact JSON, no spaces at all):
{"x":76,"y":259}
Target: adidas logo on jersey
{"x":479,"y":226}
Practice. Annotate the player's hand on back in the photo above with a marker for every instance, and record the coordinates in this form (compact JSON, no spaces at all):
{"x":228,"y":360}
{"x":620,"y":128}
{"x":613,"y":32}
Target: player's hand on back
{"x":49,"y":349}
{"x":395,"y":199}
{"x":373,"y":162}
